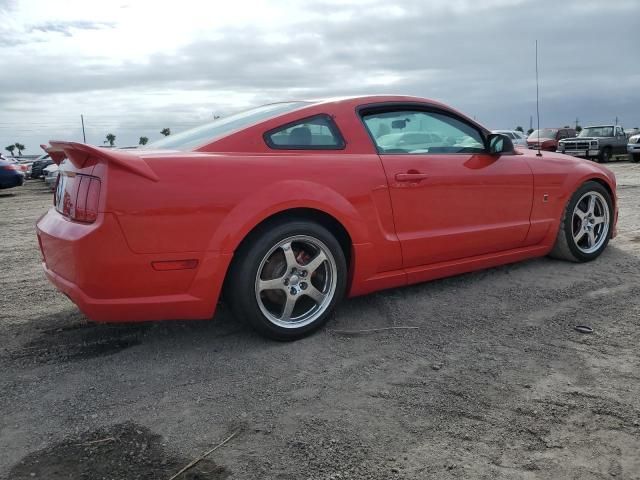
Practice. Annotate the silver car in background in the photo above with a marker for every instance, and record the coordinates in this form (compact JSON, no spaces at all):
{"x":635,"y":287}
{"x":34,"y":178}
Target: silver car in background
{"x":51,"y":176}
{"x":633,"y":148}
{"x":517,"y":138}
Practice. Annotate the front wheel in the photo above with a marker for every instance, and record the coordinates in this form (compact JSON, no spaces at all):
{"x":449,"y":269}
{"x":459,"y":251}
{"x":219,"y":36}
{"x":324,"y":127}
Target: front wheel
{"x":586,"y":225}
{"x":287,"y":279}
{"x":605,"y":155}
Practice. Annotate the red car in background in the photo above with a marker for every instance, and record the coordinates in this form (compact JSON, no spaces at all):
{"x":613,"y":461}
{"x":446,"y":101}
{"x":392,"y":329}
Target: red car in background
{"x":287,"y":208}
{"x":547,"y":138}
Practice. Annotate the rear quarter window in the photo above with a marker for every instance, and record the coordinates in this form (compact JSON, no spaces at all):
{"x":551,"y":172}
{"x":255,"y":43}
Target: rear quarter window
{"x":319,"y":132}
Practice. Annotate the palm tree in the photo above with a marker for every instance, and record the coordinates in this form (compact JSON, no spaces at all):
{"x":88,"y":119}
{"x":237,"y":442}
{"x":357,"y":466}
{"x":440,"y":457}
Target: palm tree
{"x":20,"y":147}
{"x":111,"y":138}
{"x":530,"y":131}
{"x":166,"y":132}
{"x":10,"y":149}
{"x":519,"y":129}
{"x":143,"y":141}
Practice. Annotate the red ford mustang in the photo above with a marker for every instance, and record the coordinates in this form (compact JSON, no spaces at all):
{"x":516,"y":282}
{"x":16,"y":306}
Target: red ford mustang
{"x":286,"y":208}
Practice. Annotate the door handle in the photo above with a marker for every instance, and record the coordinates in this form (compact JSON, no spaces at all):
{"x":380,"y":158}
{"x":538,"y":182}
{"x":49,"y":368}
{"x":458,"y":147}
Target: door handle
{"x":411,"y":177}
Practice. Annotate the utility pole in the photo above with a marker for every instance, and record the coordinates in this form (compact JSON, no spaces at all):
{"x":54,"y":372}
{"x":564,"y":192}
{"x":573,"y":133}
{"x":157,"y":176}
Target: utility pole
{"x":616,"y":120}
{"x":530,"y":122}
{"x":84,"y":137}
{"x":577,"y":122}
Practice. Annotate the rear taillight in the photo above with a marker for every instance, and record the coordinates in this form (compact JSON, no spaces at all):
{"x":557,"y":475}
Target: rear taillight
{"x":9,"y":167}
{"x":77,"y":197}
{"x":87,"y":200}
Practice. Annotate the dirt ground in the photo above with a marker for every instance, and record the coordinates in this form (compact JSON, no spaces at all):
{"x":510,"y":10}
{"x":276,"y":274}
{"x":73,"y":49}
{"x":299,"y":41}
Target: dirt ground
{"x":494,"y":384}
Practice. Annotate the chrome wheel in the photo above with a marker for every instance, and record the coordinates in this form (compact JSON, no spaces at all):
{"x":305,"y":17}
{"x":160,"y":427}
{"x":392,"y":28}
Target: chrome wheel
{"x":590,"y":222}
{"x":296,"y":281}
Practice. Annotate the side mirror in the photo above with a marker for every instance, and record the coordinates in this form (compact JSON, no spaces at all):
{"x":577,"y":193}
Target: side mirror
{"x":499,"y":144}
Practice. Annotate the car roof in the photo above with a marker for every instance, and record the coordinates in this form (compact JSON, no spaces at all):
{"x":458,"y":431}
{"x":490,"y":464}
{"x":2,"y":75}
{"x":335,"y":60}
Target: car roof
{"x":311,"y":106}
{"x":359,"y":100}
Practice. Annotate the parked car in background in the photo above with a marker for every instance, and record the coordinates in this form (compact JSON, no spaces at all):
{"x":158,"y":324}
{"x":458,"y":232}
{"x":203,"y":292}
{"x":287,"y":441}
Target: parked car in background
{"x":21,"y":165}
{"x":292,"y":206}
{"x":10,"y":175}
{"x":518,"y":138}
{"x":39,"y":164}
{"x":597,"y":143}
{"x":24,"y":166}
{"x":547,"y":138}
{"x":633,"y":148}
{"x":631,"y":132}
{"x":51,"y":176}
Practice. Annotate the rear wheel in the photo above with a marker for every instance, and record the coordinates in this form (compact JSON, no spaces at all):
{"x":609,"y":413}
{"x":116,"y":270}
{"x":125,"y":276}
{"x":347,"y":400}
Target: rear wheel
{"x":585,"y":228}
{"x":635,"y":157}
{"x":287,"y":279}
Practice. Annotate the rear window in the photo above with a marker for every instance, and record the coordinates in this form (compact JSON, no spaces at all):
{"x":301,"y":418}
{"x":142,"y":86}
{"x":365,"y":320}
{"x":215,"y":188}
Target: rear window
{"x":212,"y":131}
{"x":314,"y":133}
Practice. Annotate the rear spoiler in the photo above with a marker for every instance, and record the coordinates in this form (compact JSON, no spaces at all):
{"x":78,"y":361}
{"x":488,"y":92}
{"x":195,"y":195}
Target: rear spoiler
{"x":78,"y":153}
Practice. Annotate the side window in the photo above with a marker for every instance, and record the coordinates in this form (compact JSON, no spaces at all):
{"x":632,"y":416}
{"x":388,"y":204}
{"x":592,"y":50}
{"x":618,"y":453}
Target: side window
{"x":619,"y":131}
{"x":421,"y":132}
{"x":313,"y":133}
{"x":561,"y":134}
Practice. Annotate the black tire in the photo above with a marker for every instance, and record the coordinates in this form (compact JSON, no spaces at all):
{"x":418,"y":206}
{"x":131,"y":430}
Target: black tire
{"x":241,"y":284}
{"x":566,"y":247}
{"x":605,"y":155}
{"x":635,"y":157}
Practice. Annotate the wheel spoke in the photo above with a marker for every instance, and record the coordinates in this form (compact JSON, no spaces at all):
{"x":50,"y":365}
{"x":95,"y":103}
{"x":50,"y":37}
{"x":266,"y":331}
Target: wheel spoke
{"x":592,"y":204}
{"x":591,"y":238}
{"x":598,"y":220}
{"x":318,"y":260}
{"x":579,"y":235}
{"x":580,"y":214}
{"x":290,"y":256}
{"x":288,"y":308}
{"x":271,"y":284}
{"x":293,"y":261}
{"x":315,"y":294}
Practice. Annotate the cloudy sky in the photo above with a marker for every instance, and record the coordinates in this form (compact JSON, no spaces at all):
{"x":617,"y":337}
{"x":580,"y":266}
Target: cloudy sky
{"x":133,"y":67}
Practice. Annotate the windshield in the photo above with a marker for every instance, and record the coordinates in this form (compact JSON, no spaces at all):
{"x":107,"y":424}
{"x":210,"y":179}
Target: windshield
{"x":544,"y":133}
{"x":596,"y":132}
{"x":212,"y":131}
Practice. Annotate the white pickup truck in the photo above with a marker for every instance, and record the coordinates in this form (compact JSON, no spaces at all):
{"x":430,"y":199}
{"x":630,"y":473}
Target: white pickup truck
{"x":633,"y":147}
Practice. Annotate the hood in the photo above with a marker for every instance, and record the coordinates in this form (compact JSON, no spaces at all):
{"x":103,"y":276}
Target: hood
{"x":538,"y":163}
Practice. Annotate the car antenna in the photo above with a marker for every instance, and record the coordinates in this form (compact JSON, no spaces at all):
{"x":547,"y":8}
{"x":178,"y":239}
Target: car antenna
{"x":537,"y":101}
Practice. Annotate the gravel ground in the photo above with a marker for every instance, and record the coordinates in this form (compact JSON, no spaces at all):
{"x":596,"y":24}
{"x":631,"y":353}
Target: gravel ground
{"x":494,"y":384}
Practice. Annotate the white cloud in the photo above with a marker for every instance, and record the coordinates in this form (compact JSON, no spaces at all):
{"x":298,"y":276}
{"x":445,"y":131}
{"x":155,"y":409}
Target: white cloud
{"x":133,"y":67}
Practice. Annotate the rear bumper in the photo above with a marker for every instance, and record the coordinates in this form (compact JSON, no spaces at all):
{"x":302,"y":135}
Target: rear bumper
{"x":94,"y":267}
